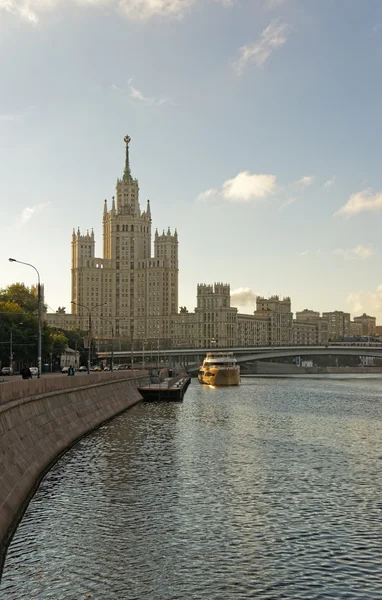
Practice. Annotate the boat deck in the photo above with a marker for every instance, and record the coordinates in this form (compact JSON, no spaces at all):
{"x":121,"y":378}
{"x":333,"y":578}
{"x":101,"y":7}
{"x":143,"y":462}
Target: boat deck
{"x":169,"y":390}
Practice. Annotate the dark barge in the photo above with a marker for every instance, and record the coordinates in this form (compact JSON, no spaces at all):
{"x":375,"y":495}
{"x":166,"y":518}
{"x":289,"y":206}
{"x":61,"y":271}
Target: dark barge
{"x":169,"y":390}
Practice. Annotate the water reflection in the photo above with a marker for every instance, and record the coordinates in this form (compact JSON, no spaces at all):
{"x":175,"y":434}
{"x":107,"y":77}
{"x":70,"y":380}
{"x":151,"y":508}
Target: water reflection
{"x":271,"y":490}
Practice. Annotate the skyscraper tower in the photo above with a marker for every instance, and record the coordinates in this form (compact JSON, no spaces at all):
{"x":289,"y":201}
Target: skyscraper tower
{"x":138,"y":291}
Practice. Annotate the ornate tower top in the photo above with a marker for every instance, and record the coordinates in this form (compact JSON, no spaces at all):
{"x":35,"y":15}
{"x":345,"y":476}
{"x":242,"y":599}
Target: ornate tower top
{"x":127,"y":172}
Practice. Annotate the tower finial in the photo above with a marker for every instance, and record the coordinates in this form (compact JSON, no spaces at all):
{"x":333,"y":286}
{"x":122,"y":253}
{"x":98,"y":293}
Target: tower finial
{"x":127,"y":172}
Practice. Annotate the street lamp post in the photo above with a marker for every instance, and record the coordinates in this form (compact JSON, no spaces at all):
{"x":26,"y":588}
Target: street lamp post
{"x":38,"y":313}
{"x":90,"y":325}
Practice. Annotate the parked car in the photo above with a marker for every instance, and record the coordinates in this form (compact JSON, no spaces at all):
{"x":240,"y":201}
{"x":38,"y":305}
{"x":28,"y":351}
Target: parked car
{"x":83,"y":368}
{"x":65,"y":370}
{"x":33,"y":370}
{"x":7,"y":371}
{"x":97,"y":368}
{"x":106,"y":368}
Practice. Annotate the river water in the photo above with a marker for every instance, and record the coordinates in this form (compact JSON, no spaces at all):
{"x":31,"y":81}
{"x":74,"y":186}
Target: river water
{"x":269,"y":490}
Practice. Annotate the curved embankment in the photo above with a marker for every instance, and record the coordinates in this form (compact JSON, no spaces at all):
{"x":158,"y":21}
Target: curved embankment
{"x":40,"y":419}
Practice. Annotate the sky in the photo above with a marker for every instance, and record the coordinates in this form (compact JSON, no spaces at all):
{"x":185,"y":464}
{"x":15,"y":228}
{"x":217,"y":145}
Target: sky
{"x":255,"y":128}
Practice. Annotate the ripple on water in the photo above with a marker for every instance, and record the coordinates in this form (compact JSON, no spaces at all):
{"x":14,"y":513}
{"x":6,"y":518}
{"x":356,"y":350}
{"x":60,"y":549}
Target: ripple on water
{"x":268,"y":491}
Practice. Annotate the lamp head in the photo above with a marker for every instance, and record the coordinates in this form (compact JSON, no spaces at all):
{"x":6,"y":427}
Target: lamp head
{"x":12,"y":260}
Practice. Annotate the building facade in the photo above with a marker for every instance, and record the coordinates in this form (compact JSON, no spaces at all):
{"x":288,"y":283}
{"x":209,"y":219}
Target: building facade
{"x":338,"y":324}
{"x":129,"y":293}
{"x":310,"y":328}
{"x":368,"y":324}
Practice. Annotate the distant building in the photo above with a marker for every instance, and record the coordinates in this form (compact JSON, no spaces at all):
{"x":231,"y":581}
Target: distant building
{"x":70,"y":358}
{"x":279,"y":316}
{"x":301,"y":332}
{"x":355,"y":329}
{"x":338,"y":324}
{"x":129,"y":293}
{"x":252,"y":330}
{"x":368,"y":324}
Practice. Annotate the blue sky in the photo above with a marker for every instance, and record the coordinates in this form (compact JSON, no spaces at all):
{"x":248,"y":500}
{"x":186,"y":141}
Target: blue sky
{"x":255,"y":129}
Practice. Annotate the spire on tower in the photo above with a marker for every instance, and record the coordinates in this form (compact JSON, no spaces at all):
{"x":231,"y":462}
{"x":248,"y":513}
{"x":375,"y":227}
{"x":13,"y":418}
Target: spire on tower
{"x":148,"y":210}
{"x":113,"y":206}
{"x":105,"y":208}
{"x":127,"y":172}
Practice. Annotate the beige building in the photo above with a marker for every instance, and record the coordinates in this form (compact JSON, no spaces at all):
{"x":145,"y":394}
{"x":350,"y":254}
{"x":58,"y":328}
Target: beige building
{"x":355,"y":329}
{"x":301,"y":332}
{"x":368,"y":324}
{"x":214,"y":322}
{"x":130,"y":293}
{"x":338,"y":324}
{"x":252,"y":330}
{"x":280,"y":318}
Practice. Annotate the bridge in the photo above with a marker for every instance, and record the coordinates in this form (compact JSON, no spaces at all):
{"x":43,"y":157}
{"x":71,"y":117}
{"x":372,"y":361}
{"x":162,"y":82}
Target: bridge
{"x":243,"y":354}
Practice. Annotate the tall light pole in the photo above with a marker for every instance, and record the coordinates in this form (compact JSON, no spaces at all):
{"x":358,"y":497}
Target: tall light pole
{"x":38,"y":312}
{"x":90,"y":325}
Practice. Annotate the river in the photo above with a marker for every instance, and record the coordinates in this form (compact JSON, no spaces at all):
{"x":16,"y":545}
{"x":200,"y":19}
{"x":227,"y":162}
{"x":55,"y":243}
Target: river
{"x":271,"y":490}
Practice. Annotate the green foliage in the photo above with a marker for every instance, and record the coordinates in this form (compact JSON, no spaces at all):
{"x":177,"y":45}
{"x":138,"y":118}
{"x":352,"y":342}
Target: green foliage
{"x":19,"y":324}
{"x":19,"y":294}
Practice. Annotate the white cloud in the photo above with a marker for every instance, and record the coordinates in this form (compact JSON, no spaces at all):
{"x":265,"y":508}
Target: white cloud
{"x":207,"y":195}
{"x":306,"y":181}
{"x":364,"y":201}
{"x":358,"y":252}
{"x":30,"y":10}
{"x":305,"y":252}
{"x":330,"y":182}
{"x":146,"y":9}
{"x":138,"y":96}
{"x":245,"y":187}
{"x":287,"y":202}
{"x":243,"y":297}
{"x":273,"y":37}
{"x":368,"y":302}
{"x":10,"y":118}
{"x":30,"y":211}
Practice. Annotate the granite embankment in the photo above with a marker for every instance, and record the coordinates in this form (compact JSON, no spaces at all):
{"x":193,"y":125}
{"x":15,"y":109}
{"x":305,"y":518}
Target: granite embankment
{"x":40,"y":419}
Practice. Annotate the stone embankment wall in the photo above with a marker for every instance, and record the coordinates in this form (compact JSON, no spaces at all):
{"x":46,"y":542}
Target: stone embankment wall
{"x":40,"y":419}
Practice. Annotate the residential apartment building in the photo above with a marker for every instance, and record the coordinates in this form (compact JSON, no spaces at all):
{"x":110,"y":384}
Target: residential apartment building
{"x":310,"y":328}
{"x":368,"y":324}
{"x":280,"y":318}
{"x":355,"y":329}
{"x":338,"y":324}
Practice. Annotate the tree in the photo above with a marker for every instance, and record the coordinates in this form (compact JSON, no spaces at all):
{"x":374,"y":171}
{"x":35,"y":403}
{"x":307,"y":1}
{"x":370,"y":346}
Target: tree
{"x":19,"y":294}
{"x":19,"y":323}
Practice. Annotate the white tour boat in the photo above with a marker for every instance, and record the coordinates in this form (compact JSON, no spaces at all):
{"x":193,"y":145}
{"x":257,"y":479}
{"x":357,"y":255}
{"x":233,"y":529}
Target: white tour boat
{"x":219,"y":368}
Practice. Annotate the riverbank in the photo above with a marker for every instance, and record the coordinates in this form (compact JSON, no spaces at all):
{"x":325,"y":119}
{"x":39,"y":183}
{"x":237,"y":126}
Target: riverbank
{"x":268,"y":368}
{"x":41,"y":419}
